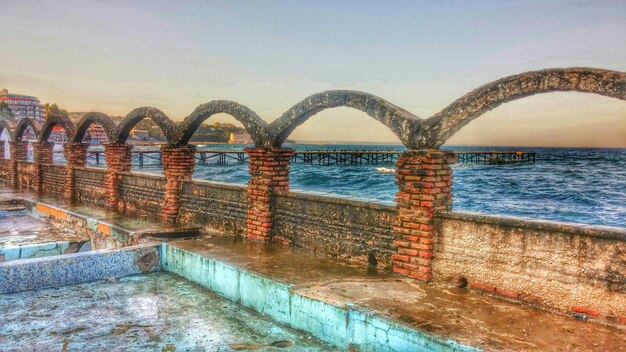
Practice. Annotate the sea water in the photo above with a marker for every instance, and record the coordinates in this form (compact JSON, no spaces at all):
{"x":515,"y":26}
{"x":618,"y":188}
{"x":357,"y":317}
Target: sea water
{"x":580,"y":185}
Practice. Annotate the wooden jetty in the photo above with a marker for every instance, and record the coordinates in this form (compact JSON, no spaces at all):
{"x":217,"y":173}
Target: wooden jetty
{"x":332,"y":157}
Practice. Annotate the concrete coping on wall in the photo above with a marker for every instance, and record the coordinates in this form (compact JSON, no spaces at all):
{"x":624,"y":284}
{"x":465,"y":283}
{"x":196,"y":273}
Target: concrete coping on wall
{"x":337,"y":199}
{"x":151,"y":176}
{"x":609,"y":232}
{"x":25,"y":162}
{"x":217,"y":184}
{"x":59,"y":165}
{"x":91,"y":168}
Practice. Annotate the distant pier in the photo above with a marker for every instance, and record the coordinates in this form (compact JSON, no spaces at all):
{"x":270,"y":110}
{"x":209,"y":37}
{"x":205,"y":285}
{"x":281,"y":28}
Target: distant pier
{"x":334,"y":157}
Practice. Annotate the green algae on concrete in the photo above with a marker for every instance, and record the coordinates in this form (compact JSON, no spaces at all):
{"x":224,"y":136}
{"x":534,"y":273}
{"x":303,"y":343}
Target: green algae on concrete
{"x":340,"y":325}
{"x":155,"y":312}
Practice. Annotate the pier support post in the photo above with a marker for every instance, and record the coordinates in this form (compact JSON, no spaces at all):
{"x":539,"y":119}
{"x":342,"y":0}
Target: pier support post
{"x":178,"y":167}
{"x":269,"y":172}
{"x":424,"y":179}
{"x":76,"y":156}
{"x":118,"y":157}
{"x":18,"y":152}
{"x":42,"y":155}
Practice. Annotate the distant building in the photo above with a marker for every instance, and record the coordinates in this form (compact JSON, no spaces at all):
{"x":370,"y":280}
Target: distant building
{"x":96,"y":135}
{"x":139,"y":134}
{"x":240,"y":138}
{"x":23,"y":105}
{"x":58,"y":135}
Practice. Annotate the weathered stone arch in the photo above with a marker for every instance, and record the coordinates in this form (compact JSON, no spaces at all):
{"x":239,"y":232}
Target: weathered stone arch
{"x":398,"y":120}
{"x":9,"y":126}
{"x":23,"y":124}
{"x":53,"y":121}
{"x":441,"y":126}
{"x":134,"y":117}
{"x":94,"y":117}
{"x":254,"y":125}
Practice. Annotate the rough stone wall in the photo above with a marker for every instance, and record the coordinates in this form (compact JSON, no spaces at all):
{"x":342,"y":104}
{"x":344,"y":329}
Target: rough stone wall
{"x":5,"y":170}
{"x":90,"y":185}
{"x":26,"y":174}
{"x":141,"y":193}
{"x":53,"y":179}
{"x":218,"y":205}
{"x":575,"y":268}
{"x":351,"y":230}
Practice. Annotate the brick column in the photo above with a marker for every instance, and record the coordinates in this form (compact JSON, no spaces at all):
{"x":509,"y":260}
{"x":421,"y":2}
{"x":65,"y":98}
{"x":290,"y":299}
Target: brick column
{"x":269,"y":172}
{"x":76,"y":156}
{"x":43,"y":152}
{"x":424,"y":179}
{"x":18,"y":152}
{"x":178,"y":166}
{"x":118,"y":157}
{"x":1,"y":149}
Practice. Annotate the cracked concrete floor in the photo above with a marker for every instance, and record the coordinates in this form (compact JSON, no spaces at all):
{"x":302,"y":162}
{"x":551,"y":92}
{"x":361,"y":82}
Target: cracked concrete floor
{"x":155,"y":312}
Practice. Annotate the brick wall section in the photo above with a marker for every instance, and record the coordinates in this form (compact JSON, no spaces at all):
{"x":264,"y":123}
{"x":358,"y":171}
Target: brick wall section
{"x":53,"y":179}
{"x":424,"y":179}
{"x":19,"y":152}
{"x":118,"y":158}
{"x":43,"y":152}
{"x":76,"y":156}
{"x":1,"y":149}
{"x":178,"y":167}
{"x":269,"y":172}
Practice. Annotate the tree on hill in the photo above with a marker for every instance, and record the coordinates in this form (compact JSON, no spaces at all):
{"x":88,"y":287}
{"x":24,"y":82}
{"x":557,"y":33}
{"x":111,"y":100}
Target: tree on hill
{"x":5,"y":111}
{"x":53,"y":110}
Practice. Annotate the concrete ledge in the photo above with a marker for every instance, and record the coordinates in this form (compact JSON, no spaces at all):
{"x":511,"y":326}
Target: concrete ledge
{"x":337,"y":199}
{"x":33,"y":274}
{"x":617,"y":233}
{"x":342,"y":325}
{"x":216,"y":184}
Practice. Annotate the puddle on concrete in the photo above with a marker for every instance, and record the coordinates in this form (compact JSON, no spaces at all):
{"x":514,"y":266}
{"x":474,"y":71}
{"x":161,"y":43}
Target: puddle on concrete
{"x":155,"y":312}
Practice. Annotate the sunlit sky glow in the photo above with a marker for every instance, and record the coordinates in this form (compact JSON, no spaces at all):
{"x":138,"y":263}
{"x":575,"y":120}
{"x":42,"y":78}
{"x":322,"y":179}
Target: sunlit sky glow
{"x":113,"y":56}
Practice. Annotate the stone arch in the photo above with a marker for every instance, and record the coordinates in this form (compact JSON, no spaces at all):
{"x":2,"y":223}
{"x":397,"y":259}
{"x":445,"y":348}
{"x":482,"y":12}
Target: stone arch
{"x":87,"y":120}
{"x":53,"y":121}
{"x":441,"y":126}
{"x":398,"y":120}
{"x":254,"y":125}
{"x":23,"y":124}
{"x":134,"y":117}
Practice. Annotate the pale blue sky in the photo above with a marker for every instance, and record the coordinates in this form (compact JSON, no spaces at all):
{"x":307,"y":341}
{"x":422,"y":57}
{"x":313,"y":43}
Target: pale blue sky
{"x":113,"y":56}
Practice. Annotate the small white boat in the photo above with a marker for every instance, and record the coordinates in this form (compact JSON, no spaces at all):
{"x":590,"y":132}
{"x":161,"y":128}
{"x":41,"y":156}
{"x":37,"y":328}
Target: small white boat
{"x":384,"y":170}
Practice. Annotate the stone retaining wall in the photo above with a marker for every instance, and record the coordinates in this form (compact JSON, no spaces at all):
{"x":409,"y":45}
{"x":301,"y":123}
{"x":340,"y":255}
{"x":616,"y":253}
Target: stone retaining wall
{"x":90,"y":185}
{"x":216,"y":205}
{"x":25,"y":174}
{"x":53,"y":177}
{"x":5,"y":170}
{"x":141,"y":193}
{"x":575,"y":268}
{"x":348,"y":229}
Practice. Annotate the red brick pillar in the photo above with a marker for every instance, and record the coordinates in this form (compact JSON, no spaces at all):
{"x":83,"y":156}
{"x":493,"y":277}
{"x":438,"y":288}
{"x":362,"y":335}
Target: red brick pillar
{"x":118,"y":157}
{"x":178,"y":166}
{"x":269,"y":172}
{"x":42,"y":155}
{"x":424,"y":179}
{"x":1,"y":149}
{"x":19,"y":152}
{"x":76,"y":156}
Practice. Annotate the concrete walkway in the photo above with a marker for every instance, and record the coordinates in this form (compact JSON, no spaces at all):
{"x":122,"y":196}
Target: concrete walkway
{"x":466,"y":317}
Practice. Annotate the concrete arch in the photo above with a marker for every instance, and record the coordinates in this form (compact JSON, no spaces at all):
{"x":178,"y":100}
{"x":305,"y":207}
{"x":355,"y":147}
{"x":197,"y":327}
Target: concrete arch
{"x":9,"y":126}
{"x":134,"y":117}
{"x":254,"y":125}
{"x":441,"y":126}
{"x":399,"y":121}
{"x":53,"y":121}
{"x":23,"y":124}
{"x":93,"y":117}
